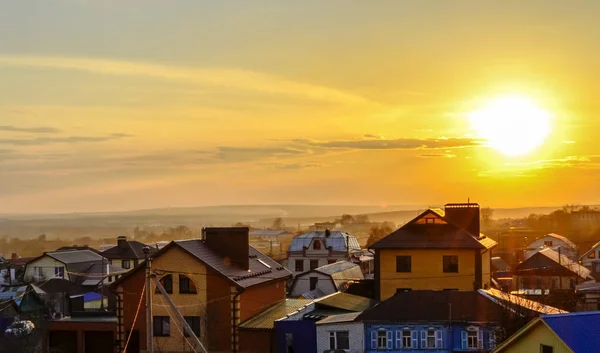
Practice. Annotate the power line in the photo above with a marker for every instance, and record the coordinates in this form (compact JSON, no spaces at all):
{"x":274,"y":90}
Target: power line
{"x":135,"y":319}
{"x":175,"y":323}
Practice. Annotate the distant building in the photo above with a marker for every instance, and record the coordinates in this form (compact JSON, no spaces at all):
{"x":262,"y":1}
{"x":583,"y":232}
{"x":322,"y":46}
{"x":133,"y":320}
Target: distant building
{"x":591,"y":257}
{"x":274,"y":235}
{"x":127,"y":254}
{"x":315,"y":249}
{"x":321,"y":226}
{"x":562,"y":333}
{"x":438,"y":250}
{"x":327,"y":279}
{"x":555,"y":242}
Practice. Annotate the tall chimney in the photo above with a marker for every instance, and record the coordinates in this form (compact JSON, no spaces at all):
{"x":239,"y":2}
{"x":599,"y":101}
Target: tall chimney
{"x":464,"y":215}
{"x":230,"y":242}
{"x":14,"y":256}
{"x":121,"y":241}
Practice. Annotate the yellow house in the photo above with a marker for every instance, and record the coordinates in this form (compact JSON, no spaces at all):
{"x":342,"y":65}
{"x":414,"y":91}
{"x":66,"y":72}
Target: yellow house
{"x":438,"y":250}
{"x":562,"y":333}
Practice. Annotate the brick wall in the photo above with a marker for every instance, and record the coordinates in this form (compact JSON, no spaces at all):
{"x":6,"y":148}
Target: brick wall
{"x":356,"y":332}
{"x":256,"y":299}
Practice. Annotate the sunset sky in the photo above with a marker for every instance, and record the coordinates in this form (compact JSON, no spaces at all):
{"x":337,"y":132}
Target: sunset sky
{"x":132,"y":104}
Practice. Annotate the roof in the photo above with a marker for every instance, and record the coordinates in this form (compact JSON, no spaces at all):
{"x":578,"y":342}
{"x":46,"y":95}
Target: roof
{"x":22,"y":261}
{"x":313,"y":294}
{"x":12,"y":292}
{"x":513,"y":301}
{"x":266,"y":319}
{"x":559,"y":259}
{"x":131,"y":249}
{"x":341,"y":318}
{"x":340,"y":266}
{"x":500,"y":265}
{"x":91,"y":319}
{"x":346,"y":301}
{"x":441,"y":235}
{"x":559,"y":237}
{"x":585,"y":254}
{"x":268,"y":232}
{"x":75,"y":256}
{"x":433,"y":306}
{"x":56,"y":285}
{"x":340,"y":272}
{"x":336,"y":240}
{"x":579,"y":331}
{"x":89,"y":296}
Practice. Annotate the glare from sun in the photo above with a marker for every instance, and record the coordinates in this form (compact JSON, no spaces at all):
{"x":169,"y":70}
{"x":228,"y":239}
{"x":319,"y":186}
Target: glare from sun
{"x":512,"y":125}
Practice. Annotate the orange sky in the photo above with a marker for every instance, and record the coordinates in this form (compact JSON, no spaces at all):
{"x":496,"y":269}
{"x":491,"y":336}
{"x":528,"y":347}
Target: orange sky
{"x":104,"y":106}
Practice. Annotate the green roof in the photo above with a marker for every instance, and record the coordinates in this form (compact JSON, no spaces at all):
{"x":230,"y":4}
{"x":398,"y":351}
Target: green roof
{"x":266,"y":319}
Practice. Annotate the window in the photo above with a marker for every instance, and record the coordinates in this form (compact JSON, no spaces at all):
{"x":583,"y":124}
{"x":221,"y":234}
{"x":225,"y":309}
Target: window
{"x":331,"y":261}
{"x":162,"y":326}
{"x":59,"y":272}
{"x":403,"y":264}
{"x":546,"y":349}
{"x":472,"y":339}
{"x":110,"y":279}
{"x":317,"y":244}
{"x":299,"y":265}
{"x":548,"y":243}
{"x":314,"y":264}
{"x":406,"y":339}
{"x":430,"y":339}
{"x":492,"y":339}
{"x":194,"y":323}
{"x":382,"y":339}
{"x":186,"y":285}
{"x":126,"y":264}
{"x":135,"y":263}
{"x":339,"y":340}
{"x":313,"y":283}
{"x":592,"y":255}
{"x":451,"y":264}
{"x":167,"y":283}
{"x":38,"y":272}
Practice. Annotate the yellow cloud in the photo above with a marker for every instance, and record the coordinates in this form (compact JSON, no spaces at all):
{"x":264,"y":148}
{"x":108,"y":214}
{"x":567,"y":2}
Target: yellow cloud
{"x":223,"y":77}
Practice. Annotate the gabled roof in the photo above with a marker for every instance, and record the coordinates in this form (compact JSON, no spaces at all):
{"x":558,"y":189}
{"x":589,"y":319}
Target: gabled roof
{"x":579,"y":331}
{"x":500,"y":265}
{"x":558,"y":237}
{"x":336,"y":240}
{"x":131,"y":249}
{"x":559,"y":260}
{"x":345,"y":301}
{"x":441,"y":233}
{"x":516,"y":302}
{"x":74,"y":256}
{"x":433,"y":306}
{"x":585,"y":254}
{"x":266,"y":319}
{"x":337,"y":319}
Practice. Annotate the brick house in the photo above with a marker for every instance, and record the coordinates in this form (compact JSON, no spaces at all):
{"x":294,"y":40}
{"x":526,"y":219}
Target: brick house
{"x":217,"y":282}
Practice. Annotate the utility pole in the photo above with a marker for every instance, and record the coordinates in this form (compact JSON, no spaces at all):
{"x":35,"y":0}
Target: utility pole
{"x":149,"y":325}
{"x":102,"y":287}
{"x":560,"y":263}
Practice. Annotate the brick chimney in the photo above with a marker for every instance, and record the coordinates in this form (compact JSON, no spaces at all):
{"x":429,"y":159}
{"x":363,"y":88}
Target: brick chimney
{"x":465,"y":215}
{"x":230,"y":242}
{"x":14,"y":256}
{"x":121,"y":241}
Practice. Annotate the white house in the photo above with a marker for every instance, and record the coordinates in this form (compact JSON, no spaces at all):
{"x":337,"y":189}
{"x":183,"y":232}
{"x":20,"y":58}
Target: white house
{"x":315,"y":249}
{"x":340,"y":332}
{"x":555,"y":242}
{"x":591,"y":256}
{"x":325,"y":280}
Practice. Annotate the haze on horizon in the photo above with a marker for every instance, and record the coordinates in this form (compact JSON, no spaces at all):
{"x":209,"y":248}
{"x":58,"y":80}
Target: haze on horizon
{"x":119,"y":105}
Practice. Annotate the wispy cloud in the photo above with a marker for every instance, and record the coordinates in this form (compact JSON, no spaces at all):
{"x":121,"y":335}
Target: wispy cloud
{"x":224,"y":77}
{"x":532,"y":168}
{"x":255,"y":153}
{"x":34,"y":129}
{"x":52,"y":140}
{"x":437,"y":155}
{"x":399,"y":143}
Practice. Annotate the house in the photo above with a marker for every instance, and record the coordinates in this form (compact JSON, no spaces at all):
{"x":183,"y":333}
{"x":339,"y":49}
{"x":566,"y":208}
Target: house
{"x":83,"y":267}
{"x":218,"y":282}
{"x":315,"y":249}
{"x":341,"y":332}
{"x":16,"y":268}
{"x":127,"y":254}
{"x":24,"y":298}
{"x":327,"y":279}
{"x":297,"y":331}
{"x":555,"y":242}
{"x":438,"y":250}
{"x":562,"y":333}
{"x":591,"y":257}
{"x":549,"y":270}
{"x":274,"y":235}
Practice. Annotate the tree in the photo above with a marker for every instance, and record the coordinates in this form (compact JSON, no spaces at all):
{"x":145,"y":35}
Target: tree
{"x":361,"y":219}
{"x":379,"y":232}
{"x":278,"y":223}
{"x":347,"y":219}
{"x":487,"y":215}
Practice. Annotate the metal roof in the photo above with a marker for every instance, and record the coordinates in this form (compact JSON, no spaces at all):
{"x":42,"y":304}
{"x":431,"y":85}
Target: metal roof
{"x":313,"y":294}
{"x":336,"y":240}
{"x":559,"y":237}
{"x":503,"y":298}
{"x":336,"y":267}
{"x":579,"y":331}
{"x":341,"y":318}
{"x":585,"y":254}
{"x":345,"y":301}
{"x":499,"y":264}
{"x":266,"y":319}
{"x":75,"y":256}
{"x":132,"y":249}
{"x":564,"y":261}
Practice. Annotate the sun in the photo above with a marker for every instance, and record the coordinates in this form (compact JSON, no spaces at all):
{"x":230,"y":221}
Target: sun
{"x":512,"y":125}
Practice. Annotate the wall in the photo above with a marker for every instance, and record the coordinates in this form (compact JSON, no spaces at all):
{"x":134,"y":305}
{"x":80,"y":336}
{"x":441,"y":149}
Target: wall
{"x":427,"y":270}
{"x":304,"y":335}
{"x":48,"y":264}
{"x":256,"y":299}
{"x":486,"y":269}
{"x":530,"y":341}
{"x":254,"y":341}
{"x":545,"y":282}
{"x":356,"y":332}
{"x":103,"y":332}
{"x":323,"y":259}
{"x":587,"y":262}
{"x":564,"y":248}
{"x":302,"y":284}
{"x":219,"y":295}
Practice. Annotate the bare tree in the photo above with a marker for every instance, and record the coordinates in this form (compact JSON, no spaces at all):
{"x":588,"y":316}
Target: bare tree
{"x":278,"y":223}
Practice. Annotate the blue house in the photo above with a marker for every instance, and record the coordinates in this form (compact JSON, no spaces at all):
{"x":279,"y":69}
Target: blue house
{"x":438,"y":321}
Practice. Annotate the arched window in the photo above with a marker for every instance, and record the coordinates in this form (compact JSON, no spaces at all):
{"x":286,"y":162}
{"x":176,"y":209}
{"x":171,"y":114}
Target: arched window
{"x":317,"y":244}
{"x":186,"y":285}
{"x":167,"y":283}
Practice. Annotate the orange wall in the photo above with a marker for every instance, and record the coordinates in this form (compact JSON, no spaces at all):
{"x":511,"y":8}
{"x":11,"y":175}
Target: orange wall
{"x":256,"y":299}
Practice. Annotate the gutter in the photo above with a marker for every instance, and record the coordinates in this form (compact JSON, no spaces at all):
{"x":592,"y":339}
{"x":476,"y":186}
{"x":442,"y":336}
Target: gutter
{"x":234,"y":336}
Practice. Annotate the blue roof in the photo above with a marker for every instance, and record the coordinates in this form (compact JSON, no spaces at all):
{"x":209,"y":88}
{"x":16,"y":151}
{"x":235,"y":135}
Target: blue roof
{"x":579,"y":331}
{"x":89,"y":296}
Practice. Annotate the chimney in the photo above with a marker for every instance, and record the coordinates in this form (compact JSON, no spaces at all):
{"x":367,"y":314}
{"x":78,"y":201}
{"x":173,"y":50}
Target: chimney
{"x":464,"y":215}
{"x":327,"y":233}
{"x":14,"y":256}
{"x":121,"y":241}
{"x":230,"y":242}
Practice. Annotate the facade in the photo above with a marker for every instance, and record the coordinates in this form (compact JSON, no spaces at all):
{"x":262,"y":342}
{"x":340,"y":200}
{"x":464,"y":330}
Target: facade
{"x":554,"y":242}
{"x":341,"y":332}
{"x":562,"y":333}
{"x":591,"y":257}
{"x":315,"y":249}
{"x":326,"y":279}
{"x":438,"y":250}
{"x":126,"y":254}
{"x":549,"y":270}
{"x":218,"y":282}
